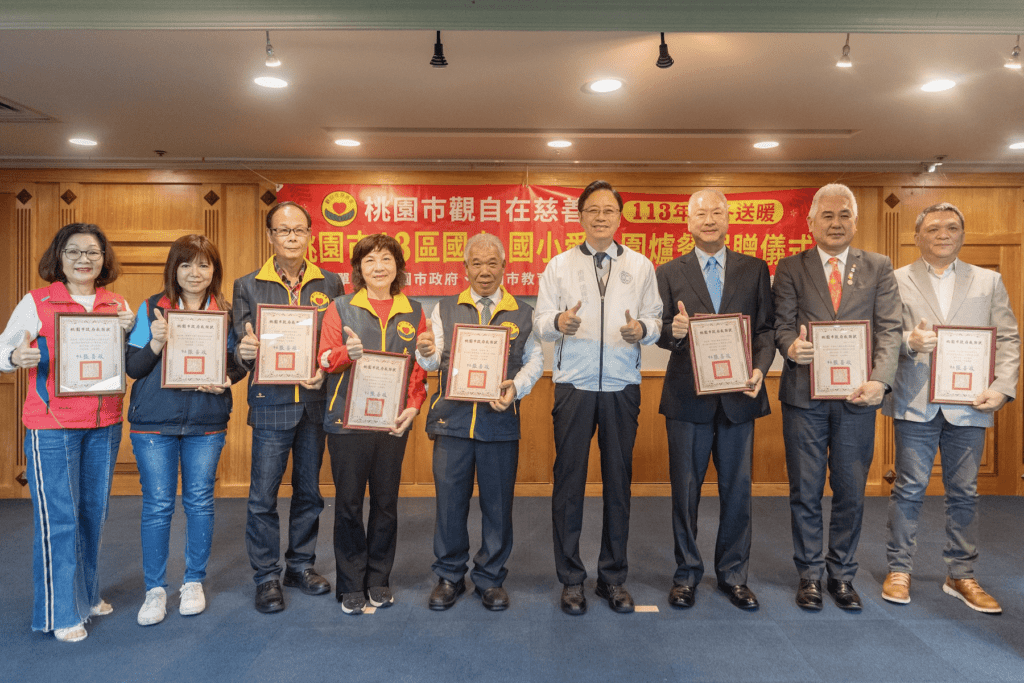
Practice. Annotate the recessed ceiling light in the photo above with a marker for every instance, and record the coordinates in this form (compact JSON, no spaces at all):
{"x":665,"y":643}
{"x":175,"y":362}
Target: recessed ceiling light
{"x":767,"y":144}
{"x":84,"y":142}
{"x":604,"y":85}
{"x":938,"y":85}
{"x":1017,"y":145}
{"x":347,"y":143}
{"x":271,"y":82}
{"x":559,"y":143}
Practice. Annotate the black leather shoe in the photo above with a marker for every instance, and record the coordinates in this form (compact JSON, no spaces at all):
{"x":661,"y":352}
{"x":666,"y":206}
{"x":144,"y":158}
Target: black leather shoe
{"x":682,"y":596}
{"x":844,"y":595}
{"x":445,"y":593}
{"x":741,"y":596}
{"x":573,"y":600}
{"x":808,"y":594}
{"x":494,"y":599}
{"x":269,"y":598}
{"x":618,"y":597}
{"x":309,"y":582}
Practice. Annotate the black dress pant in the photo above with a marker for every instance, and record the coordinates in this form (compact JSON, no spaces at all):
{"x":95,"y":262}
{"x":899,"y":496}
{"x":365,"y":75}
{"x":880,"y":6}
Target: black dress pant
{"x":576,"y":415}
{"x":364,"y":557}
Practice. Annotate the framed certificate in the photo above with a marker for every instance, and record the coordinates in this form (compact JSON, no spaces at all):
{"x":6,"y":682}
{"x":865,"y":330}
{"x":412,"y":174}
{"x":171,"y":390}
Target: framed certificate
{"x":963,"y":363}
{"x":720,"y":353}
{"x":196,"y":351}
{"x":376,"y":390}
{"x":478,"y":361}
{"x":287,"y":350}
{"x":842,"y":357}
{"x":90,"y":355}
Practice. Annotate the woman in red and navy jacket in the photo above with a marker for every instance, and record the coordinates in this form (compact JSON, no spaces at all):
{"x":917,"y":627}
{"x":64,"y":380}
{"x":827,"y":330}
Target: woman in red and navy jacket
{"x":172,"y":426}
{"x":378,"y":316}
{"x":71,"y":442}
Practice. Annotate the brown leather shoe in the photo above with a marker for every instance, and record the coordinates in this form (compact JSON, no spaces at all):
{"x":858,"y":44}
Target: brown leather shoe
{"x":896,"y":587}
{"x":972,"y":594}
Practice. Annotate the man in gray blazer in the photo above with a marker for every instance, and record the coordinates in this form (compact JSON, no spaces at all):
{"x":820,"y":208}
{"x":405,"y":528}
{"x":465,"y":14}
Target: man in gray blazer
{"x":830,"y":282}
{"x":940,"y":289}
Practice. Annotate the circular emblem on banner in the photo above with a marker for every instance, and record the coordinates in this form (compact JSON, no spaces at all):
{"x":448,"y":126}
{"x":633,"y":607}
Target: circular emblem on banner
{"x":319,"y":299}
{"x":513,"y":329}
{"x":625,"y":277}
{"x":406,"y":331}
{"x":339,"y":208}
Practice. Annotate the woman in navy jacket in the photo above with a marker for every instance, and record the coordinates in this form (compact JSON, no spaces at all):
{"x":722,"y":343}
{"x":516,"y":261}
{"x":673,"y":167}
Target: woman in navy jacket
{"x":169,"y":426}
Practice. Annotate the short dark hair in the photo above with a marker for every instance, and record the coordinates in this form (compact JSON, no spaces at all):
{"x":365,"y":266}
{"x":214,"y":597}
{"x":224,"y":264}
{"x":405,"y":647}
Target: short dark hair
{"x":52,"y":270}
{"x":372,"y":243}
{"x":278,"y":207}
{"x":594,"y":187}
{"x":185,"y":250}
{"x":935,"y":208}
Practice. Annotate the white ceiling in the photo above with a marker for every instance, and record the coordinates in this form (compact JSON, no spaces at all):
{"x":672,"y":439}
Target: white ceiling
{"x":505,"y":94}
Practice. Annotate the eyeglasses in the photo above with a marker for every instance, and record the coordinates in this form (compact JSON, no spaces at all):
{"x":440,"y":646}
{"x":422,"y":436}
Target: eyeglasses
{"x":285,"y":232}
{"x":75,"y":254}
{"x":594,"y":212}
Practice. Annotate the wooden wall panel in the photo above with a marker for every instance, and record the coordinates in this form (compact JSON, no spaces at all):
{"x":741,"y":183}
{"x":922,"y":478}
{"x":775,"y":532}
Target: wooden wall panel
{"x":144,"y":211}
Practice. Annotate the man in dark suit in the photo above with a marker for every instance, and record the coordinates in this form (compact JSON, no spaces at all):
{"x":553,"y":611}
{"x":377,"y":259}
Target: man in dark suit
{"x":712,"y":279}
{"x":830,"y":282}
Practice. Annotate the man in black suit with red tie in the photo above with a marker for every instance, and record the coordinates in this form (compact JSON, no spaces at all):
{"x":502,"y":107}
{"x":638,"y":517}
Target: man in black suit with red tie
{"x":829,"y":282}
{"x":712,"y":279}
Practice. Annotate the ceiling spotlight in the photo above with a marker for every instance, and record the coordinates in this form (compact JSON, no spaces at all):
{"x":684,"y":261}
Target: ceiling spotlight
{"x":664,"y":61}
{"x":934,"y":165}
{"x":1014,"y":61}
{"x":604,"y":85}
{"x":438,"y":61}
{"x":1017,"y":145}
{"x":347,"y":143}
{"x":938,"y":85}
{"x":271,"y":82}
{"x":272,"y":59}
{"x":766,"y":144}
{"x":844,"y":61}
{"x":84,"y":142}
{"x":559,"y":143}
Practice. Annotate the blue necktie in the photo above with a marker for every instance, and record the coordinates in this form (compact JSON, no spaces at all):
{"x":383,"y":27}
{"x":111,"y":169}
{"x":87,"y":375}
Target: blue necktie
{"x":714,"y":282}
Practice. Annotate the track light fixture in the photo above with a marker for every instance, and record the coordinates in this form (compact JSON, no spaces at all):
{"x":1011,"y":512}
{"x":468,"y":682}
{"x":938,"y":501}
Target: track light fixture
{"x":438,"y":61}
{"x":664,"y":60}
{"x":272,"y":59}
{"x":844,"y":61}
{"x":1014,"y":61}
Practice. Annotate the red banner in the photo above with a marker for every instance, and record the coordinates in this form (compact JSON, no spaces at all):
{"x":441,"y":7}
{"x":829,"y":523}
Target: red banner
{"x":433,"y":222}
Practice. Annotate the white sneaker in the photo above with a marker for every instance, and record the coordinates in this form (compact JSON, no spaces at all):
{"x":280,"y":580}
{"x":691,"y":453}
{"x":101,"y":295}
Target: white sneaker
{"x":193,"y":601}
{"x":154,"y":609}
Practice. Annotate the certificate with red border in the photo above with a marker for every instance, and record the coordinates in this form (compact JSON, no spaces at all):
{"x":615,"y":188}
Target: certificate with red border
{"x":720,"y":353}
{"x":376,"y":390}
{"x":478,"y":361}
{"x":963,"y":363}
{"x":90,"y":355}
{"x":842,"y":357}
{"x":196,"y":352}
{"x":287,"y":350}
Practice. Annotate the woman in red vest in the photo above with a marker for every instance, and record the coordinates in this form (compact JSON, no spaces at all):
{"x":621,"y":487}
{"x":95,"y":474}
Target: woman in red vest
{"x":71,"y":442}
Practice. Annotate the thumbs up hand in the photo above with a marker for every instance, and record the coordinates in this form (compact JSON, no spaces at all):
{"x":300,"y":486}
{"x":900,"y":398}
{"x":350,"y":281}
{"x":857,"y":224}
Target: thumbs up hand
{"x":24,"y":355}
{"x":353,"y":344}
{"x":158,"y":330}
{"x":569,"y":321}
{"x":922,"y":338}
{"x":125,"y":318}
{"x":425,"y":344}
{"x":632,"y":332}
{"x":681,"y":322}
{"x":249,"y":344}
{"x":801,"y":351}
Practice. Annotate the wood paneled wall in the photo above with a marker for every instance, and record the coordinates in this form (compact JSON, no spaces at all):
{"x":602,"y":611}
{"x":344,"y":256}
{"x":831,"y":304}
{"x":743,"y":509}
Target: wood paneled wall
{"x":144,"y":211}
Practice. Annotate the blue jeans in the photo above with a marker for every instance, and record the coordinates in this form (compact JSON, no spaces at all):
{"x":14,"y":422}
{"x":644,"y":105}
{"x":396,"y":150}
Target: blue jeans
{"x":157,"y":456}
{"x":960,"y":449}
{"x":270,"y":448}
{"x":69,"y":475}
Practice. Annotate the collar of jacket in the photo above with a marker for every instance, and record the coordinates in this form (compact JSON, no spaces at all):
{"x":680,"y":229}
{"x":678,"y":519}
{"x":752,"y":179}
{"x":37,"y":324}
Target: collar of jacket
{"x":586,"y":250}
{"x":57,"y":293}
{"x":507,"y":302}
{"x":400,"y":304}
{"x":268,"y":272}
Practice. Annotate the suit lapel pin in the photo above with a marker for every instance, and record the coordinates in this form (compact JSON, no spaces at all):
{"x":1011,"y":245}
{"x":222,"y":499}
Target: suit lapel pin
{"x":849,"y":278}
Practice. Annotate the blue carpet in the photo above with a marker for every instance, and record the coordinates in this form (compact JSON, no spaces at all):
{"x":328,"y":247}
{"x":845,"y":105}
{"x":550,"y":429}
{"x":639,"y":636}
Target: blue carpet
{"x":934,"y":638}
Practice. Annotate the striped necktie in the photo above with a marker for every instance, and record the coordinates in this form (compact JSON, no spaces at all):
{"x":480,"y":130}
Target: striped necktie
{"x":714,"y":282}
{"x":835,"y":283}
{"x":485,"y":311}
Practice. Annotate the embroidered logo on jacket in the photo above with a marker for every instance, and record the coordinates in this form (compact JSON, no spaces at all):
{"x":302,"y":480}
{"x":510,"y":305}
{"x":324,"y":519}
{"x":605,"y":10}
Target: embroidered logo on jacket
{"x":406,"y":331}
{"x":320,"y":300}
{"x":513,"y":329}
{"x":625,"y":277}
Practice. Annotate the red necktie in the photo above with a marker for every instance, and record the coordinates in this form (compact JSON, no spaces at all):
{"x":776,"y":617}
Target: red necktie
{"x":835,"y":283}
